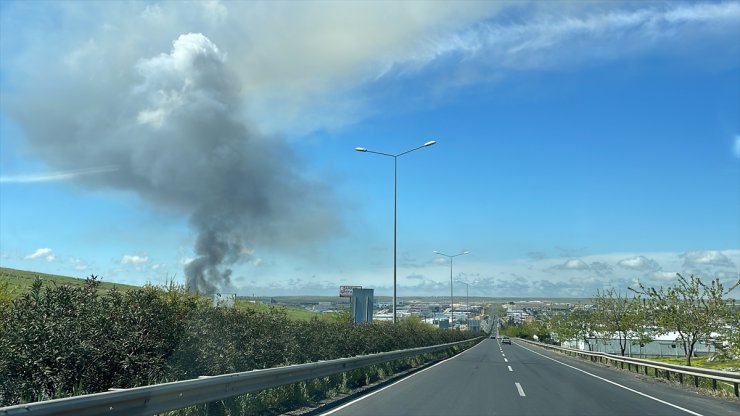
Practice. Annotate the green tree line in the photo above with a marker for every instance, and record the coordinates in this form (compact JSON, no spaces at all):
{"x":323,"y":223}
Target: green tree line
{"x":61,"y":340}
{"x":694,"y":310}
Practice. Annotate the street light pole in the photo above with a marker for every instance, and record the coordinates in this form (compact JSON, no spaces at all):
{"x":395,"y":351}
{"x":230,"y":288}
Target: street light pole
{"x":467,"y":294}
{"x":395,"y":206}
{"x":452,"y":299}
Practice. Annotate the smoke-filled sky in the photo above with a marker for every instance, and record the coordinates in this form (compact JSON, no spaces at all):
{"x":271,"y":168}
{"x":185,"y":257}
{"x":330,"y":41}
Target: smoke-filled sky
{"x":581,"y":145}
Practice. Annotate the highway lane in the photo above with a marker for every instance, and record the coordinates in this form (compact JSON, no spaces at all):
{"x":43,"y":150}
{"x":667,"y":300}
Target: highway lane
{"x":494,"y":379}
{"x":573,"y":386}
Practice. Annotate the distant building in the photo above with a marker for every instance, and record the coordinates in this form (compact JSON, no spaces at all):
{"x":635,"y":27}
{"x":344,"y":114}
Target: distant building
{"x":668,"y":345}
{"x":323,"y":307}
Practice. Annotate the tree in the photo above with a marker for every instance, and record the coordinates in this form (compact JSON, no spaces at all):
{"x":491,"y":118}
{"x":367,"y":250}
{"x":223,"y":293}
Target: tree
{"x":581,"y":326}
{"x":578,"y":325}
{"x":617,"y":315}
{"x":690,"y":308}
{"x":557,"y":326}
{"x":730,"y":343}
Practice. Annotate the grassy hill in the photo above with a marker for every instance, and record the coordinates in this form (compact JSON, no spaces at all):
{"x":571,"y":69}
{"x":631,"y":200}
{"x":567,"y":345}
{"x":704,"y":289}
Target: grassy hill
{"x":20,"y":281}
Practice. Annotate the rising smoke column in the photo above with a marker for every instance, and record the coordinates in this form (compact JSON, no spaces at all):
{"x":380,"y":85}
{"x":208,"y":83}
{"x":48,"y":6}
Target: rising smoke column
{"x":242,"y":187}
{"x":174,"y":130}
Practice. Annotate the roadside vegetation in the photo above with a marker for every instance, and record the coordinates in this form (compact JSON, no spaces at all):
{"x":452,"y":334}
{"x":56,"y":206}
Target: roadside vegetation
{"x":705,"y":362}
{"x":694,"y":310}
{"x":59,"y":340}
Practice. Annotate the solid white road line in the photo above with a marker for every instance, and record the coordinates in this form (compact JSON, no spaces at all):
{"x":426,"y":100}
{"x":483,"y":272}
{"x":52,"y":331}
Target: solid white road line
{"x":510,"y":368}
{"x":614,"y":383}
{"x":520,"y":389}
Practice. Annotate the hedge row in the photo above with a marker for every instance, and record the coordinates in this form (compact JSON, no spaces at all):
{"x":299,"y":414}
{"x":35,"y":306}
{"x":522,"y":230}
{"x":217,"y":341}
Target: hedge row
{"x":59,"y":341}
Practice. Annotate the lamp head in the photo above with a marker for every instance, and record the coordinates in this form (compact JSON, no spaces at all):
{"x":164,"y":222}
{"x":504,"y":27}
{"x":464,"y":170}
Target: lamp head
{"x":360,"y":149}
{"x":429,"y":143}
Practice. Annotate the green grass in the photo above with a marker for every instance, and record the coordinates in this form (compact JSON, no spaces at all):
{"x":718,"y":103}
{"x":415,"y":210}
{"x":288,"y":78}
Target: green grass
{"x":701,"y":362}
{"x":298,"y":314}
{"x":19,"y":281}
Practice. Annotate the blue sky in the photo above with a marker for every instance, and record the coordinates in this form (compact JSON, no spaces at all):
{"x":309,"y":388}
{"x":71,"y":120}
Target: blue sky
{"x":580,"y":145}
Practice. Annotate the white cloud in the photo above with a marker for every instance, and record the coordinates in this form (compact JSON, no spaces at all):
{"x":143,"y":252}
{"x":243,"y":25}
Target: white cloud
{"x":441,"y":260}
{"x":706,"y":258}
{"x":78,"y":264}
{"x":664,"y":276}
{"x":573,"y":264}
{"x":640,"y":263}
{"x":134,"y":259}
{"x":55,"y":176}
{"x":45,"y":253}
{"x":431,"y":286}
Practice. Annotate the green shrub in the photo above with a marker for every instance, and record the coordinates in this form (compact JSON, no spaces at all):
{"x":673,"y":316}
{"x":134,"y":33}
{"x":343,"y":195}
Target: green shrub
{"x":60,"y":340}
{"x":63,"y":340}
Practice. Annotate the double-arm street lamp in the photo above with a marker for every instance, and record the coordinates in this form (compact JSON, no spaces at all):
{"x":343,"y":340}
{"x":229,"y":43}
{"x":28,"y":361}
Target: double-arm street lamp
{"x":395,"y":216}
{"x":452,"y":300}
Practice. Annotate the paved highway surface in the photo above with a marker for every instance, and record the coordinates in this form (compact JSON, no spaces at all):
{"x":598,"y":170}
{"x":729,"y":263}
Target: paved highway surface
{"x":518,"y":379}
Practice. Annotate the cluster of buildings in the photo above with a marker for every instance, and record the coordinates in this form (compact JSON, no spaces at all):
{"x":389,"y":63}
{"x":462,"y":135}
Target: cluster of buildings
{"x":527,"y":310}
{"x":443,"y":315}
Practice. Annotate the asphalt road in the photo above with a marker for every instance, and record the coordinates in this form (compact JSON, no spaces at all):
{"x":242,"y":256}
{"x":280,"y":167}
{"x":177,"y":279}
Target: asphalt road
{"x":518,"y":379}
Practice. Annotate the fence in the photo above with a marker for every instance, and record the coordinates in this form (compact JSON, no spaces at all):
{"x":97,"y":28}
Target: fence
{"x":656,"y":348}
{"x":158,"y":398}
{"x":680,"y":371}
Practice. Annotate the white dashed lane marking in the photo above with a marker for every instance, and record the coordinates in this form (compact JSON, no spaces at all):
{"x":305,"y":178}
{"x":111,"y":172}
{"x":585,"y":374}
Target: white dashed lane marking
{"x":520,"y":389}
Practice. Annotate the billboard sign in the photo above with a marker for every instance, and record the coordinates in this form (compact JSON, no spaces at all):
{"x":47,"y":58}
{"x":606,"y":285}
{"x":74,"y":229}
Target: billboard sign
{"x":346,"y":291}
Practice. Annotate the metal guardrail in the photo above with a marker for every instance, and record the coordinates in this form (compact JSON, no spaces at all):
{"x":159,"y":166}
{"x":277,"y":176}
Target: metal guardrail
{"x":158,"y":398}
{"x":667,"y":368}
